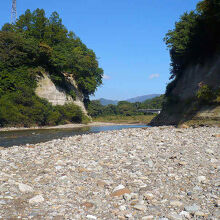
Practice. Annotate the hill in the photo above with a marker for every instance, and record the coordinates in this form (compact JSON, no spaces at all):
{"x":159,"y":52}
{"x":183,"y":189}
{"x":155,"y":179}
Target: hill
{"x":131,"y":100}
{"x":108,"y":102}
{"x":142,"y":98}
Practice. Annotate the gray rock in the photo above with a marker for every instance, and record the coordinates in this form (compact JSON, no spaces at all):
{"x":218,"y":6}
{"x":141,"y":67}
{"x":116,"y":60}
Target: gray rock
{"x":176,"y":203}
{"x":202,"y":179}
{"x":140,"y":207}
{"x":127,"y":197}
{"x":36,"y":199}
{"x":209,"y":151}
{"x":25,"y":188}
{"x":175,"y":216}
{"x":149,"y":217}
{"x":192,"y":208}
{"x":91,"y":217}
{"x":185,"y":214}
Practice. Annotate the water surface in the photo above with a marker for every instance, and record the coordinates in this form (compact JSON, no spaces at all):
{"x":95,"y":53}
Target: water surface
{"x":12,"y":138}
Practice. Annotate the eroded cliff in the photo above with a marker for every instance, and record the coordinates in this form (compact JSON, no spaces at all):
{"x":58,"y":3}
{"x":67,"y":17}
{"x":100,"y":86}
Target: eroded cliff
{"x":184,"y":107}
{"x":57,"y":95}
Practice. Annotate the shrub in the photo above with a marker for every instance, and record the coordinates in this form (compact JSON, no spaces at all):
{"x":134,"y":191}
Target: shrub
{"x":26,"y":109}
{"x":205,"y":94}
{"x":70,"y":113}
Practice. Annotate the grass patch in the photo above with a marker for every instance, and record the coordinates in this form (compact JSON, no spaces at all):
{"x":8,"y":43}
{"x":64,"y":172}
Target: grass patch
{"x":135,"y":119}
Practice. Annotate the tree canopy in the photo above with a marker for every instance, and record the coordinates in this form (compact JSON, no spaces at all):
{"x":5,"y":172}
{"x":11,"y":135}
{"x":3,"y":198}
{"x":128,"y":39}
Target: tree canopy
{"x":195,"y":38}
{"x":57,"y":50}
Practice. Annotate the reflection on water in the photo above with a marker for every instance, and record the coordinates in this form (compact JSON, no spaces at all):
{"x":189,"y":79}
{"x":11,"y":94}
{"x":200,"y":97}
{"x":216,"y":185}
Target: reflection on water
{"x":11,"y":138}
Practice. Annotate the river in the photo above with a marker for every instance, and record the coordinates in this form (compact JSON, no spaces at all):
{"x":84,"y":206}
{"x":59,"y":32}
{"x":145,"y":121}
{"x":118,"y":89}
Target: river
{"x":22,"y":137}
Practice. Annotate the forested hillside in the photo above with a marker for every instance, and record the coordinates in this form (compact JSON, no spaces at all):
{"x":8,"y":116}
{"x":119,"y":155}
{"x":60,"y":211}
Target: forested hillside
{"x":35,"y":45}
{"x":123,"y":108}
{"x":194,"y":46}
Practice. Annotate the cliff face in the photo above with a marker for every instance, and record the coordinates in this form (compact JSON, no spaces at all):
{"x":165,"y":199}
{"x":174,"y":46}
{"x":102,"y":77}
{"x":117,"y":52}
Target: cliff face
{"x":208,"y":73}
{"x":58,"y":96}
{"x":185,"y":89}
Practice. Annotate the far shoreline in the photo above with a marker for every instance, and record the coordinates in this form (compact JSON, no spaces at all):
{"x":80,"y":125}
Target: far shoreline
{"x":67,"y":126}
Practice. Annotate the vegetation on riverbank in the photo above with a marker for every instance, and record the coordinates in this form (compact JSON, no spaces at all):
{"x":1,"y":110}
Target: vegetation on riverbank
{"x":35,"y":45}
{"x":134,"y":119}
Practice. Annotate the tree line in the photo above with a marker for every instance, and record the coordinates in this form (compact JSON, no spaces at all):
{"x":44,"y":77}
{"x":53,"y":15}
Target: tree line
{"x":96,"y":109}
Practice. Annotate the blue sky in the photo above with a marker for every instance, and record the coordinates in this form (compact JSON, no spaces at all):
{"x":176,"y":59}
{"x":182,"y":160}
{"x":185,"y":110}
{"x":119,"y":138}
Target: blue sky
{"x":126,"y":35}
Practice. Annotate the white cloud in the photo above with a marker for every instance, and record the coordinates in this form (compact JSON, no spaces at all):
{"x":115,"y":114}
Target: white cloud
{"x":155,"y":75}
{"x":106,"y":77}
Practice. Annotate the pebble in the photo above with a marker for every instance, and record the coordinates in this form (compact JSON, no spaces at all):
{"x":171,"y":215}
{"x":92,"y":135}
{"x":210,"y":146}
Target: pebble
{"x":202,"y":179}
{"x":91,"y":217}
{"x":153,"y":173}
{"x":120,"y":192}
{"x":122,"y":207}
{"x":185,"y":214}
{"x":36,"y":199}
{"x":129,"y":215}
{"x":217,"y":204}
{"x":149,"y":217}
{"x":25,"y":188}
{"x":175,"y":216}
{"x":148,"y":196}
{"x":200,"y":214}
{"x":176,"y":203}
{"x":87,"y":205}
{"x":209,"y":151}
{"x":127,"y":197}
{"x":140,"y":207}
{"x":192,"y":208}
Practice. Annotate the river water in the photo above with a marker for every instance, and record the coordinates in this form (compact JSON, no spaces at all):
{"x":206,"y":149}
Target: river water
{"x":22,"y":137}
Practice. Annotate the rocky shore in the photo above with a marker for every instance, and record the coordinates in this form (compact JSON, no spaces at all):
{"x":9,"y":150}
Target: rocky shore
{"x":148,"y":173}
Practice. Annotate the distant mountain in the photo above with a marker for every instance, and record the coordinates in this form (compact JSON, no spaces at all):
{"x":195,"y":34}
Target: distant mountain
{"x":132,"y":100}
{"x":142,"y":98}
{"x":108,"y":101}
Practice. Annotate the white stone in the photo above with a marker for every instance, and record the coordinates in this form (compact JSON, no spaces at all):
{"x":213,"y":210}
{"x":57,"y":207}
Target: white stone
{"x":201,"y":179}
{"x":192,"y":208}
{"x":185,"y":214}
{"x":36,"y":199}
{"x":149,"y":217}
{"x":176,"y":203}
{"x":91,"y":217}
{"x":209,"y":151}
{"x":148,"y":196}
{"x":199,"y":213}
{"x":175,"y":216}
{"x":118,"y":187}
{"x":128,"y":215}
{"x":122,"y":207}
{"x":127,"y":197}
{"x":25,"y":188}
{"x":140,"y":207}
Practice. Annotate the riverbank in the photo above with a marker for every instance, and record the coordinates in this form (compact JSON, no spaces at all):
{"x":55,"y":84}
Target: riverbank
{"x":148,"y":173}
{"x":133,"y":119}
{"x":66,"y":126}
{"x":100,"y":121}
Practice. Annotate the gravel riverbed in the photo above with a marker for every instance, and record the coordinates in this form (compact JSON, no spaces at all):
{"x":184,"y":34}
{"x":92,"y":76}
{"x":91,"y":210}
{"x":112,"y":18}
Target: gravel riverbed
{"x":147,"y":173}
